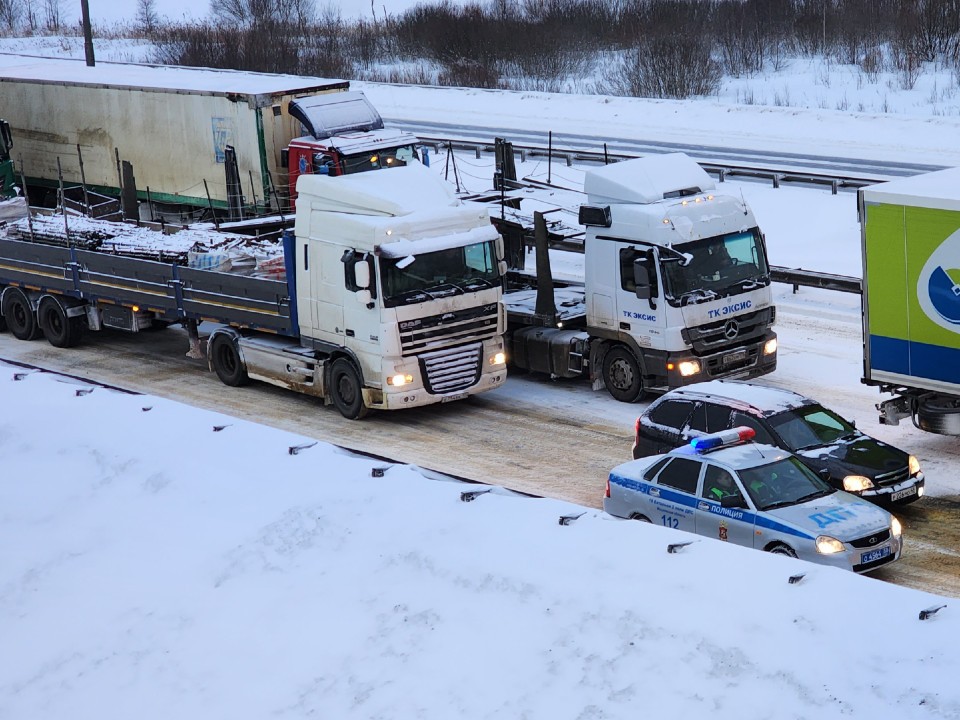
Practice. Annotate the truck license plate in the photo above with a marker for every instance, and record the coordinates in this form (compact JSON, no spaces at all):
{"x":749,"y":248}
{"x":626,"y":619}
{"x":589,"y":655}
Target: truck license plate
{"x":874,"y":555}
{"x":451,"y":398}
{"x":734,"y":357}
{"x":900,"y":494}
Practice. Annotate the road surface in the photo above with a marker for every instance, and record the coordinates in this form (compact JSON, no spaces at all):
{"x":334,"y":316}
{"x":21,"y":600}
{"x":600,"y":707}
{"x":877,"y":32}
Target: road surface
{"x":535,"y":435}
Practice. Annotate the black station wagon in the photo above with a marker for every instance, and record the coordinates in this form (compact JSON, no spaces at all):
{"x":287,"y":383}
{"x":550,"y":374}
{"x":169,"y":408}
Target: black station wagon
{"x":826,"y":443}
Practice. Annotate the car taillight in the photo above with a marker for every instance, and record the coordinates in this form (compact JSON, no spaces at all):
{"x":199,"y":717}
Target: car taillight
{"x":607,"y":493}
{"x":636,"y":427}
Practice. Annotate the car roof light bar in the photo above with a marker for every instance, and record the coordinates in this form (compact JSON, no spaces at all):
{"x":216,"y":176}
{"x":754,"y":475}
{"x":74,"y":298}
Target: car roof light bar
{"x":722,"y":439}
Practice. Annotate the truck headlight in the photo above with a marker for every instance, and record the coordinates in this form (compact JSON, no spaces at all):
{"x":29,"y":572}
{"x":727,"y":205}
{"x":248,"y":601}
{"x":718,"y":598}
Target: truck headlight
{"x":498,"y":358}
{"x":914,"y":465}
{"x":827,"y":545}
{"x":688,"y":367}
{"x":857,"y":483}
{"x":770,"y":346}
{"x":896,"y":529}
{"x":399,"y":380}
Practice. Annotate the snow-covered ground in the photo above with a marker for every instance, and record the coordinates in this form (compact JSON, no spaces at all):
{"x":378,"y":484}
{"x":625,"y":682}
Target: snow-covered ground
{"x":154,"y":566}
{"x":159,"y":561}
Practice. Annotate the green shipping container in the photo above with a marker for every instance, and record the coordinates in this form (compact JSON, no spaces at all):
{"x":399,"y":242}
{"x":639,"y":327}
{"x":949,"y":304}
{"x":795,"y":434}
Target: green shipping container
{"x":911,"y":282}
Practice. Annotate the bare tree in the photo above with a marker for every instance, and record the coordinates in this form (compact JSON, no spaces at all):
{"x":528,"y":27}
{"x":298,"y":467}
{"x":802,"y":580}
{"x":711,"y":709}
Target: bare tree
{"x":53,"y":14}
{"x":147,"y":17}
{"x":11,"y":13}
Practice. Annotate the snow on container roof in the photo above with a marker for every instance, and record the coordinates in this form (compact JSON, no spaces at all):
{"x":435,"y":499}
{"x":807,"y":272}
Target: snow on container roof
{"x":388,"y":192}
{"x":645,"y":180}
{"x":940,"y":189}
{"x":256,"y":88}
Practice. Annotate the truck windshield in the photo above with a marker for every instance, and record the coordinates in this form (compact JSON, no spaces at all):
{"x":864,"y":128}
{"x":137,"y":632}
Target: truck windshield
{"x":719,"y":266}
{"x":386,"y":158}
{"x":438,"y":274}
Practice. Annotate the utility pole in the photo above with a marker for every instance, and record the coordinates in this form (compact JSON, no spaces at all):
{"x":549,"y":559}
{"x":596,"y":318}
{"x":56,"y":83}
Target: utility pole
{"x":87,"y":33}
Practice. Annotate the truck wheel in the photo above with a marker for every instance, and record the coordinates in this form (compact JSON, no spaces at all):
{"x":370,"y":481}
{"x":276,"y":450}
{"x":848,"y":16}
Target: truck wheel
{"x":227,"y":362}
{"x":346,"y":390}
{"x":939,"y":415}
{"x":59,"y":330}
{"x":19,"y":316}
{"x":621,"y":375}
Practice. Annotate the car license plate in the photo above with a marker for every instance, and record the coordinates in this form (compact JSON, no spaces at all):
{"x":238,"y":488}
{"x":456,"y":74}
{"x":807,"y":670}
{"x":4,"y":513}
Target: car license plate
{"x":734,"y":357}
{"x":874,"y":555}
{"x":901,"y":494}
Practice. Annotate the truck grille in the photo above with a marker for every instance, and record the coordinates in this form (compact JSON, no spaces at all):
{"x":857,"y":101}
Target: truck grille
{"x":709,"y":337}
{"x":448,"y":329}
{"x":452,"y":369}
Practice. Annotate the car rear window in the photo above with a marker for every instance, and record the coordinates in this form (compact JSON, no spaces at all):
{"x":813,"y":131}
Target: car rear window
{"x":671,"y":413}
{"x":709,"y":417}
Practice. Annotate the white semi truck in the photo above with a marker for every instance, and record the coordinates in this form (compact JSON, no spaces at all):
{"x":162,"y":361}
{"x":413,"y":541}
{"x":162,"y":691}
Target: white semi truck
{"x":391,"y":297}
{"x":676,"y":286}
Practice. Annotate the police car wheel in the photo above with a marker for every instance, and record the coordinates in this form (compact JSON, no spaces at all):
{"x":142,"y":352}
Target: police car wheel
{"x":640,"y":517}
{"x":781,"y":549}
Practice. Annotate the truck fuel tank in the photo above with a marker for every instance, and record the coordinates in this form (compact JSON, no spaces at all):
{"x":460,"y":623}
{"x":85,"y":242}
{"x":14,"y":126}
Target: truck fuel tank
{"x":559,"y":352}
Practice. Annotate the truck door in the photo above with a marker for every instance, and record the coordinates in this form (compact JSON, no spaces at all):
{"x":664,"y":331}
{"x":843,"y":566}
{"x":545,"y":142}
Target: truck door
{"x":325,"y":294}
{"x":640,"y":309}
{"x":361,"y":320}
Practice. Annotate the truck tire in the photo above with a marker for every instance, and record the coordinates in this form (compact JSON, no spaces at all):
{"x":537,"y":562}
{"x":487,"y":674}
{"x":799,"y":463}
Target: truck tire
{"x":19,"y":315}
{"x":621,"y":375}
{"x":346,"y":390}
{"x":227,"y":362}
{"x":939,"y":414}
{"x":59,"y":330}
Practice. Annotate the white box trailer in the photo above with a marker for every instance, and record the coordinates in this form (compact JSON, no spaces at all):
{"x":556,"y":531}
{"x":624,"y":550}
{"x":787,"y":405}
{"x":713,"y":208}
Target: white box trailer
{"x":172,"y":124}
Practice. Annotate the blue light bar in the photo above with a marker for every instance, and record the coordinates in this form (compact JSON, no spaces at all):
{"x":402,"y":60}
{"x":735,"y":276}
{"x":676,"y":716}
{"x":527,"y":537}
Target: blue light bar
{"x":727,"y":437}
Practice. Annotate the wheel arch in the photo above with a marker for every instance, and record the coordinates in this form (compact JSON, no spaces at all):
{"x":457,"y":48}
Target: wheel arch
{"x":32,"y":296}
{"x":233,"y":335}
{"x":331,"y":358}
{"x":600,"y":347}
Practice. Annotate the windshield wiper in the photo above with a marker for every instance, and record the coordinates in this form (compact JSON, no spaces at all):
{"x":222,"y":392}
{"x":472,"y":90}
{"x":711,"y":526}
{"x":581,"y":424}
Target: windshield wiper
{"x":697,"y":295}
{"x":412,"y":296}
{"x":442,"y":290}
{"x":474,"y":283}
{"x":816,"y":494}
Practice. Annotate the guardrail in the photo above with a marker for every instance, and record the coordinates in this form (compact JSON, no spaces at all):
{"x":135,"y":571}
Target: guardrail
{"x":811,"y":278}
{"x":722,"y":171}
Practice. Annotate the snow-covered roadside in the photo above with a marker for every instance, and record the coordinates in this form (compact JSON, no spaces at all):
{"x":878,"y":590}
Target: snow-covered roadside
{"x":185,"y":563}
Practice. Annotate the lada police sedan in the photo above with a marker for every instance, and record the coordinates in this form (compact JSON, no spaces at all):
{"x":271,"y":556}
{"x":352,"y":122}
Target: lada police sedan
{"x":726,"y":487}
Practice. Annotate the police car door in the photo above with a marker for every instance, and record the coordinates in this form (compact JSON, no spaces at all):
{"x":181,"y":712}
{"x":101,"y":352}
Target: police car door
{"x":674,"y":496}
{"x":733,"y":523}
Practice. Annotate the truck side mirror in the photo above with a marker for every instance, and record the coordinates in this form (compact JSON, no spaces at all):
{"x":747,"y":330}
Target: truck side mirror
{"x":7,"y":136}
{"x":363,"y":296}
{"x":361,"y":274}
{"x":499,"y":247}
{"x":285,"y":158}
{"x":641,"y":279}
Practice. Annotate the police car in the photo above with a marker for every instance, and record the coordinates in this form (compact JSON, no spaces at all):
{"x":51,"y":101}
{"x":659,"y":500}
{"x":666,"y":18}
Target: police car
{"x":726,"y":487}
